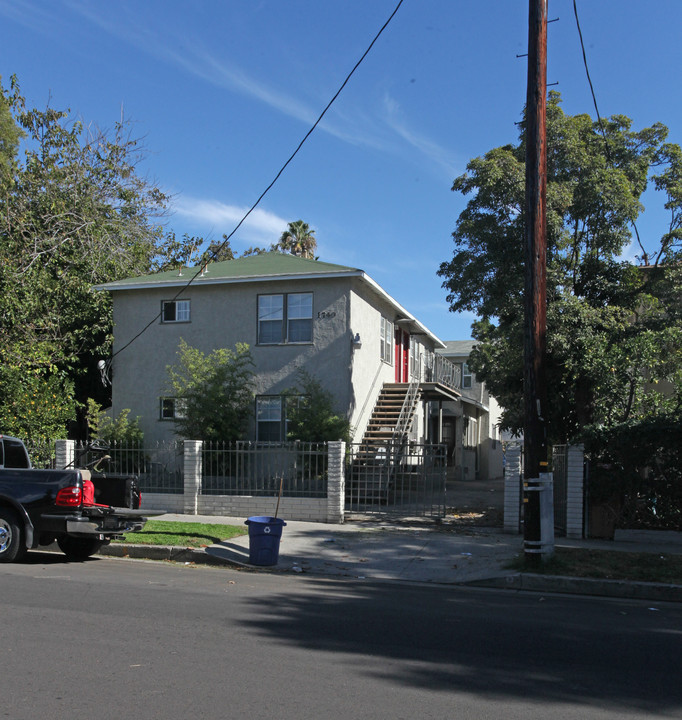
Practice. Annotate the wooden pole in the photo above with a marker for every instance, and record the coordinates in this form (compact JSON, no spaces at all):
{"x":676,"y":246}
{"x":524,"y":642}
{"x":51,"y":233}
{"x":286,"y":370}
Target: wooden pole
{"x":535,"y":391}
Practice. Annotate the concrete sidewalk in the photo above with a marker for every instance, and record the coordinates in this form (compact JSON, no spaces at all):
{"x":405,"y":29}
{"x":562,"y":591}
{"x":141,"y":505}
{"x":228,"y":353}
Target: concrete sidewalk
{"x":421,"y":553}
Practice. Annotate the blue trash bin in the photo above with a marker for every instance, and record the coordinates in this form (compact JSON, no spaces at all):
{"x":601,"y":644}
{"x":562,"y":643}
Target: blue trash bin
{"x":264,"y":536}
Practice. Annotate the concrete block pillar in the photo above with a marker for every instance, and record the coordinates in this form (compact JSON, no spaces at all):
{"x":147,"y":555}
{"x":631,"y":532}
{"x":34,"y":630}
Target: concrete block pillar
{"x":65,"y":454}
{"x":193,"y":470}
{"x":336,"y":481}
{"x":575,"y":491}
{"x":512,"y":489}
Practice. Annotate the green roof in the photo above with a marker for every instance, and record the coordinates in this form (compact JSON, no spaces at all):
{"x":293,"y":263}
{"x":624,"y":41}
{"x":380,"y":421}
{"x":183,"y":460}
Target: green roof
{"x":271,"y":265}
{"x":259,"y":268}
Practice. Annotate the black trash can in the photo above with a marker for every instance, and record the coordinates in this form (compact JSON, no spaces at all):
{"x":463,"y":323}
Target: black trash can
{"x":264,"y":536}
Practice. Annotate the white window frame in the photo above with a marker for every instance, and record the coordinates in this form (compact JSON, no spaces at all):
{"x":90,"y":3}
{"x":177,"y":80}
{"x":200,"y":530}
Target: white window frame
{"x":414,"y":357}
{"x":386,"y":340}
{"x":470,"y":434}
{"x":467,"y":377}
{"x":181,"y":314}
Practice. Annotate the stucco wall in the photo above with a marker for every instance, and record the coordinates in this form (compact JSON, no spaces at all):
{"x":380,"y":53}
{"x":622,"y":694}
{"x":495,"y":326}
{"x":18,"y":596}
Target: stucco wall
{"x":222,"y":315}
{"x":368,"y":371}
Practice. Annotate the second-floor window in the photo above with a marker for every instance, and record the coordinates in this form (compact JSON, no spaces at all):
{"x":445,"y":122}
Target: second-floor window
{"x":414,"y":358}
{"x":467,"y":377}
{"x":285,"y":318}
{"x":386,"y":340}
{"x":173,"y":311}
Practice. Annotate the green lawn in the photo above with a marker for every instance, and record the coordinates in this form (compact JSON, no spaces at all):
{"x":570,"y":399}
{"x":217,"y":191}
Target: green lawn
{"x":183,"y":534}
{"x":609,"y":565}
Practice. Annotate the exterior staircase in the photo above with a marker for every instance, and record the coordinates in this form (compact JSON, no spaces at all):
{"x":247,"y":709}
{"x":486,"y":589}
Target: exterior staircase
{"x":391,"y":417}
{"x":371,"y":469}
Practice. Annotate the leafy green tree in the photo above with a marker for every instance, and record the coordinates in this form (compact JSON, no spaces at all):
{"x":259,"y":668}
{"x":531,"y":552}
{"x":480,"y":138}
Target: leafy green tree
{"x":116,"y":431}
{"x":34,"y":406}
{"x":310,"y":413}
{"x":255,"y":251}
{"x":123,"y":437}
{"x":10,"y":135}
{"x":215,"y":391}
{"x":220,"y":251}
{"x":610,"y":331}
{"x":74,"y":212}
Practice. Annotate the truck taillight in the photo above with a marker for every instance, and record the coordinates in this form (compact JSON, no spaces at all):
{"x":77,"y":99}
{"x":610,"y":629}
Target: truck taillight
{"x":69,"y":497}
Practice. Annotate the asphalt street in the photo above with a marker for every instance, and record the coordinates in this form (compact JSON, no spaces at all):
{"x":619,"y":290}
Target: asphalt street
{"x":108,"y":638}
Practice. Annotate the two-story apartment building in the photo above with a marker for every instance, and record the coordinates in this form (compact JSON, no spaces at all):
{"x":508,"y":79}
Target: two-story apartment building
{"x":470,"y":427}
{"x":333,"y":321}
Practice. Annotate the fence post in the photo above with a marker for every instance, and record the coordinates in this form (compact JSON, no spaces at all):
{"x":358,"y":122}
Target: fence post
{"x":336,"y":493}
{"x":192,"y":464}
{"x":65,"y":453}
{"x":512,"y":489}
{"x":574,"y":491}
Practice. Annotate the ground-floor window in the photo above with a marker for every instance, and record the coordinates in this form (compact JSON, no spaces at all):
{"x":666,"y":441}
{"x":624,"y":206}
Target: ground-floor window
{"x":271,"y":416}
{"x":171,"y":408}
{"x":470,"y":434}
{"x":269,"y":425}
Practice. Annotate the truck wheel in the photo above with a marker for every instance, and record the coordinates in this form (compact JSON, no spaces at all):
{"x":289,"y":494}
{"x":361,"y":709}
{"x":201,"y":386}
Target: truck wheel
{"x":78,"y":548}
{"x":12,"y":546}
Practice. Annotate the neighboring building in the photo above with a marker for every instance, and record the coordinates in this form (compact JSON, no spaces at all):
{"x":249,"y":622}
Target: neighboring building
{"x":294,"y":313}
{"x":470,"y":426}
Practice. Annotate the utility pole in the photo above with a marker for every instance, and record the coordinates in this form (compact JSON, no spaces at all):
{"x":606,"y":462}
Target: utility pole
{"x":535,"y":390}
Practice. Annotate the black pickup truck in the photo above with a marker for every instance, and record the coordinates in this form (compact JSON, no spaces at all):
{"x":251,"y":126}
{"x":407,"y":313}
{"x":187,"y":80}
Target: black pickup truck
{"x":79,"y":510}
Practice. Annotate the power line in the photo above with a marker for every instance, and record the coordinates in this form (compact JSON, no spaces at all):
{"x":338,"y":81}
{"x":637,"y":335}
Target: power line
{"x":589,"y":80}
{"x":599,"y":120}
{"x":217,"y":250}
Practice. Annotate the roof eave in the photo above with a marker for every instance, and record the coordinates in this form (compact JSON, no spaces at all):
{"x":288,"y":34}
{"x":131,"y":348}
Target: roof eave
{"x":200,"y":281}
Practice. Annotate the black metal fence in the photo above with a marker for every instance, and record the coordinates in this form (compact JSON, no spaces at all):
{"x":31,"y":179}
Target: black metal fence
{"x":405,"y":480}
{"x":261,"y":468}
{"x":159,"y":467}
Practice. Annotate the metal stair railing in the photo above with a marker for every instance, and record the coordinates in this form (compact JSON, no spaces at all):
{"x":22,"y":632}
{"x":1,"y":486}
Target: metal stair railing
{"x":406,"y":412}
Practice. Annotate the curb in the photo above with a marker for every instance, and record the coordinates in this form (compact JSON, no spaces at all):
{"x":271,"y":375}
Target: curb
{"x":167,"y":552}
{"x":584,"y":586}
{"x":528,"y":582}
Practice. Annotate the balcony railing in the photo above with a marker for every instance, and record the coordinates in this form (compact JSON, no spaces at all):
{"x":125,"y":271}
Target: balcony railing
{"x":441,"y":370}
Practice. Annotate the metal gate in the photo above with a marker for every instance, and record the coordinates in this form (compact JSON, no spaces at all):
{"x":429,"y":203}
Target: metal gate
{"x":405,"y":480}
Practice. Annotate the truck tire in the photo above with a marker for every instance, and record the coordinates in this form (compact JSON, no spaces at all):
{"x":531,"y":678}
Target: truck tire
{"x":78,"y":548}
{"x":12,"y":545}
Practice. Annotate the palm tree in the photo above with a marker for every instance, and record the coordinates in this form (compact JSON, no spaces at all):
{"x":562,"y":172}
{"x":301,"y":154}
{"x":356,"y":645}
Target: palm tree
{"x":298,"y":239}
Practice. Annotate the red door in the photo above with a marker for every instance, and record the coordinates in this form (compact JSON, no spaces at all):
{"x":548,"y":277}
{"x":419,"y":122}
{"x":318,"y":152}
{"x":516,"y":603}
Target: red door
{"x":402,"y":356}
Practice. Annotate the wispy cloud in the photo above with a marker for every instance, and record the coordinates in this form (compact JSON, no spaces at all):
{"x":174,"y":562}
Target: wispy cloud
{"x":260,"y":227}
{"x":212,"y":67}
{"x":434,"y":152}
{"x":385,"y":130}
{"x":353,"y":127}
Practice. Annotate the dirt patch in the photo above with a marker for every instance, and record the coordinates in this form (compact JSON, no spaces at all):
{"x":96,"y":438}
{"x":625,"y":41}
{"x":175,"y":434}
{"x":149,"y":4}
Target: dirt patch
{"x":467,"y":517}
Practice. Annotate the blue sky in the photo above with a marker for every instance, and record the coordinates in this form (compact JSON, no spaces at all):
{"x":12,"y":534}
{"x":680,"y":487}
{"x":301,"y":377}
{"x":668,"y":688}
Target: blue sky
{"x":224,"y":90}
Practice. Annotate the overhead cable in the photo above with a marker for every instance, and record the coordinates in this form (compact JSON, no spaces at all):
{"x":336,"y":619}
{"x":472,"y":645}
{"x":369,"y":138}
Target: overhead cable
{"x":217,"y":250}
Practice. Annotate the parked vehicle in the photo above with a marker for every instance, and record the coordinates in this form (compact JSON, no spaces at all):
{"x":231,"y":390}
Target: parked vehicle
{"x":76,"y":508}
